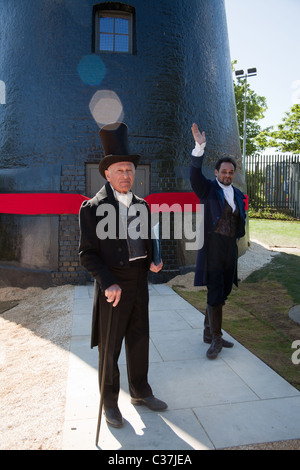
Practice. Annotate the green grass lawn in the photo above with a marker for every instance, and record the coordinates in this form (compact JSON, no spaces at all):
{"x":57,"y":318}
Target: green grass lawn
{"x":275,"y":232}
{"x":256,"y":313}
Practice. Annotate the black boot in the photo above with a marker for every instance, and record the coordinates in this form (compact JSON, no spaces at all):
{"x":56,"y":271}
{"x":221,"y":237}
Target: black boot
{"x":215,"y":321}
{"x":207,"y":336}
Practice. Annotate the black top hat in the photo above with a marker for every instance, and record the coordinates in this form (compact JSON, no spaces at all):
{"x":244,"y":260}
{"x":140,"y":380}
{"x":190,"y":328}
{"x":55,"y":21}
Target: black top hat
{"x":114,"y":139}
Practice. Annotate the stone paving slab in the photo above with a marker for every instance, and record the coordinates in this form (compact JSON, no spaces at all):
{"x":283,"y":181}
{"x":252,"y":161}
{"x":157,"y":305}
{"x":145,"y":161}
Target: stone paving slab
{"x":234,"y":400}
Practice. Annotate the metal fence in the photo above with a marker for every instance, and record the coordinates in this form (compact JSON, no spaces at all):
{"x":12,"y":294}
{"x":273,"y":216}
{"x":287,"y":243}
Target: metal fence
{"x":273,"y":182}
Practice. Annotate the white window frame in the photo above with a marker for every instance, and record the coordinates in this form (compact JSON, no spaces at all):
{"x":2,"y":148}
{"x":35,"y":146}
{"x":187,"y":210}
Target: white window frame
{"x":113,"y":14}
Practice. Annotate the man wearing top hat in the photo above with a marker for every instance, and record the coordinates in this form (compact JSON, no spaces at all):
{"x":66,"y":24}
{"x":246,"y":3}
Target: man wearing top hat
{"x":119,"y":266}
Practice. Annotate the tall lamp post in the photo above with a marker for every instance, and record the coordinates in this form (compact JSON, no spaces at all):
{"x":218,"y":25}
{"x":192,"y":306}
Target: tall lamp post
{"x":240,"y":74}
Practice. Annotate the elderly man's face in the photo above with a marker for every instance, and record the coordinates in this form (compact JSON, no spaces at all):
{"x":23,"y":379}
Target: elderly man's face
{"x":121,"y":176}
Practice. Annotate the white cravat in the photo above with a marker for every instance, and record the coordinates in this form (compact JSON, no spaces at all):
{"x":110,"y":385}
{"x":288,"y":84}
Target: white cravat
{"x":124,"y":199}
{"x":228,"y":194}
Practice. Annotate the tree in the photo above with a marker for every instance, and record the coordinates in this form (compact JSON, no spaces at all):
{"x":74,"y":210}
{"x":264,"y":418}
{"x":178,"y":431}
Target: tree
{"x":287,"y":136}
{"x":256,"y":107}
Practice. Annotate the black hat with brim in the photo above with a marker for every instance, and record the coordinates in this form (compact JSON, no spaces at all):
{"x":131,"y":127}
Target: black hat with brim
{"x":114,"y":139}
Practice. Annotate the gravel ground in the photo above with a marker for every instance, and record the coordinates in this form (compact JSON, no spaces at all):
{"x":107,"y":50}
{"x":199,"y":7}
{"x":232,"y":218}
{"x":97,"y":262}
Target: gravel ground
{"x":35,"y":333}
{"x":34,"y":345}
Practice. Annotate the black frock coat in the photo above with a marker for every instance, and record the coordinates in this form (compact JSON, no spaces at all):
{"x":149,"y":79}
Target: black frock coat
{"x":100,"y":256}
{"x":212,"y":196}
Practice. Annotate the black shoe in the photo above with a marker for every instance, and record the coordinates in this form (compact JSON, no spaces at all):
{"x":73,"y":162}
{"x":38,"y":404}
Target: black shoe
{"x":151,"y":402}
{"x":215,"y":348}
{"x":207,"y":336}
{"x":225,"y":344}
{"x":113,"y":417}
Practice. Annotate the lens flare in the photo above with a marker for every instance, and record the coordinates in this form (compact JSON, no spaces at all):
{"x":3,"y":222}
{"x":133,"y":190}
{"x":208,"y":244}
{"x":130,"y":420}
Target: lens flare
{"x":91,"y":70}
{"x":106,"y":107}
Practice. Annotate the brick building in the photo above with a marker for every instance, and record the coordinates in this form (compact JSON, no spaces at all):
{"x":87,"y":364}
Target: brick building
{"x":157,"y":65}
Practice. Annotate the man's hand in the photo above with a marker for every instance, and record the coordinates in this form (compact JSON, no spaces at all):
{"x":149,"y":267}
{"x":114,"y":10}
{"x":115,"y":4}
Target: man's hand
{"x":200,"y":138}
{"x":113,"y":294}
{"x":156,"y":268}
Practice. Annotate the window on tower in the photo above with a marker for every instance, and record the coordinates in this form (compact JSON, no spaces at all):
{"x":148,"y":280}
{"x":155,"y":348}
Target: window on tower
{"x":113,"y":29}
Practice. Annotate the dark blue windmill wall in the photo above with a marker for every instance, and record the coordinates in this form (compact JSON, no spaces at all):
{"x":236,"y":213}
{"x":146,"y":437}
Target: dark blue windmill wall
{"x":179,"y":72}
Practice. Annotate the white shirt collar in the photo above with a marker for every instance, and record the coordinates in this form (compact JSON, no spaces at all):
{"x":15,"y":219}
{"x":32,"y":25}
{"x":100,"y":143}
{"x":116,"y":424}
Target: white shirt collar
{"x":124,"y":199}
{"x":228,"y":194}
{"x":225,"y":187}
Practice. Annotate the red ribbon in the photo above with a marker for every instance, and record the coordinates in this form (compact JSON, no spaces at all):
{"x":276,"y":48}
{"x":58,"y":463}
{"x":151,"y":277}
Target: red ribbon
{"x":41,"y":203}
{"x":64,"y":204}
{"x":173,"y":202}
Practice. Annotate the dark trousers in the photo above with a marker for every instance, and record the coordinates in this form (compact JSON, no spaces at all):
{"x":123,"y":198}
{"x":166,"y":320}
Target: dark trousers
{"x":130,"y":321}
{"x":222,"y":255}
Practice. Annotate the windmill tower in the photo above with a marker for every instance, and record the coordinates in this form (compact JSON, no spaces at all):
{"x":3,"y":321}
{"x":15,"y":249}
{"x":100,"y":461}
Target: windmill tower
{"x":70,"y":66}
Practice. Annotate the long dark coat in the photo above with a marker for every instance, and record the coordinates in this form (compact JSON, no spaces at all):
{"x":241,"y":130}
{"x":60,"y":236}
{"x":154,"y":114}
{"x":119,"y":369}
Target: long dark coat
{"x":98,"y":256}
{"x":211,"y":195}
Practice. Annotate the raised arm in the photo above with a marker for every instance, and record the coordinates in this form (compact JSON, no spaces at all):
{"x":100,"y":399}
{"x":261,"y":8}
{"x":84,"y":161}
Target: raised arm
{"x":199,"y":183}
{"x":198,"y":136}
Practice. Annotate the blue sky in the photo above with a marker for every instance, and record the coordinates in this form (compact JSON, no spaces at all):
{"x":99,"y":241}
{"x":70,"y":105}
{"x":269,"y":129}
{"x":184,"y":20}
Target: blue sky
{"x":266,"y":34}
